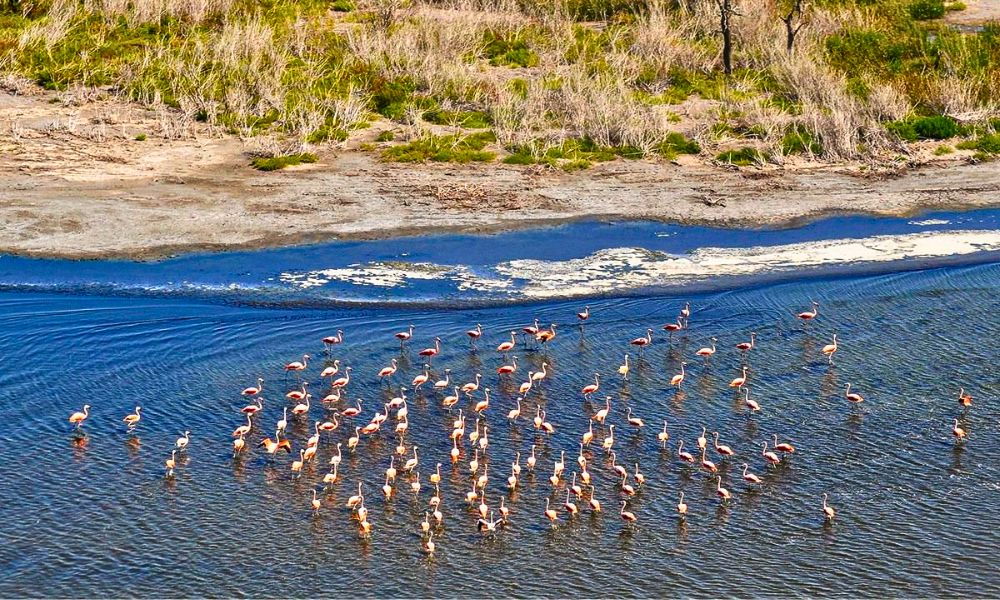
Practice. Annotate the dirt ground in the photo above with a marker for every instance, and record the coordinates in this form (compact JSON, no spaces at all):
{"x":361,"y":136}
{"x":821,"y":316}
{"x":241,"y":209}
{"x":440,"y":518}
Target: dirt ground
{"x":77,"y":184}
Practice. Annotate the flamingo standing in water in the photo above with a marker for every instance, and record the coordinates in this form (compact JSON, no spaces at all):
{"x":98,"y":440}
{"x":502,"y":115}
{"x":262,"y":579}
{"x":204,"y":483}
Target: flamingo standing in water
{"x":441,"y":384}
{"x":331,"y":340}
{"x":542,"y":374}
{"x":626,"y":515}
{"x":253,"y":391}
{"x":739,"y":382}
{"x":506,"y":347}
{"x":642,"y":342}
{"x":963,"y":398}
{"x":171,"y":463}
{"x":672,"y":327}
{"x":593,"y":387}
{"x":686,"y":312}
{"x":78,"y":418}
{"x":853,"y":397}
{"x":430,"y":353}
{"x":749,"y":477}
{"x":421,"y":379}
{"x":583,"y":316}
{"x":745,"y":347}
{"x":770,"y":457}
{"x":751,"y":404}
{"x":828,"y":510}
{"x":243,"y":429}
{"x":546,"y":335}
{"x":298,"y":365}
{"x":296,"y":395}
{"x":682,"y":508}
{"x":663,"y":437}
{"x":809,"y":315}
{"x":388,"y":371}
{"x":133,"y":419}
{"x":706,"y":353}
{"x":783,"y":446}
{"x":830,"y":349}
{"x":252,"y":409}
{"x":404,"y":336}
{"x":623,"y":369}
{"x":301,"y":409}
{"x":958,"y":432}
{"x":474,"y":334}
{"x":678,"y":379}
{"x":342,"y":381}
{"x":331,"y":370}
{"x":684,"y":454}
{"x":508,"y":369}
{"x":722,"y":492}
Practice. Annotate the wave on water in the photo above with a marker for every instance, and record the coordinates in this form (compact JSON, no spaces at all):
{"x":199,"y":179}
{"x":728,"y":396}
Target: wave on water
{"x":617,"y":270}
{"x":926,"y":222}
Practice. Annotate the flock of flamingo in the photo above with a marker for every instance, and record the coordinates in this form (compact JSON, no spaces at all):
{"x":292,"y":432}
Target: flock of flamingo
{"x":473,"y":398}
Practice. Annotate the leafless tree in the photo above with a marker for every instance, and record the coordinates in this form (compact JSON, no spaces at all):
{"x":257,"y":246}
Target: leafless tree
{"x":794,"y":21}
{"x":726,"y":12}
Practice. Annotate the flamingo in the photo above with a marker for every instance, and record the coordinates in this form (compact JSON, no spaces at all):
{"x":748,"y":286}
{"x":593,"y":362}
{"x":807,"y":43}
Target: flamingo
{"x":421,"y":379}
{"x":707,"y":464}
{"x":721,"y":491}
{"x":78,"y":418}
{"x":634,"y":421}
{"x":507,"y":346}
{"x":352,"y":442}
{"x":357,"y":499}
{"x":296,"y":465}
{"x":296,"y":395}
{"x":451,"y":400}
{"x":330,"y":425}
{"x":684,"y":454}
{"x":588,"y":435}
{"x":958,"y":432}
{"x":583,"y":316}
{"x":526,"y":386}
{"x":441,"y":384}
{"x":171,"y":463}
{"x":569,"y":505}
{"x":855,"y":398}
{"x":315,"y":501}
{"x":602,"y":414}
{"x":639,"y":477}
{"x":749,"y":477}
{"x":663,"y":437}
{"x":642,"y":342}
{"x":593,"y":387}
{"x":411,"y":463}
{"x":540,"y":375}
{"x":686,"y":311}
{"x":515,"y":412}
{"x":546,"y":335}
{"x":809,"y":315}
{"x":828,"y":511}
{"x":770,"y":457}
{"x":252,"y":409}
{"x":508,"y":369}
{"x":623,"y":369}
{"x":707,"y":352}
{"x":425,"y":525}
{"x":672,"y":327}
{"x":702,"y":440}
{"x":627,"y":489}
{"x":483,"y":404}
{"x":722,"y":449}
{"x":182,"y":442}
{"x":314,"y":438}
{"x":547,"y":427}
{"x":504,"y":511}
{"x":133,"y":419}
{"x":388,"y":371}
{"x":352,"y":411}
{"x":531,"y":330}
{"x":627,"y":516}
{"x":609,"y":441}
{"x":301,"y":409}
{"x":474,"y":334}
{"x":387,"y":489}
{"x":238,"y":445}
{"x":271,"y":447}
{"x":531,"y":459}
{"x":331,"y":370}
{"x":336,"y":459}
{"x":751,"y":404}
{"x":739,"y":381}
{"x":830,"y":349}
{"x":297,"y":365}
{"x":747,"y":346}
{"x":617,"y":468}
{"x":436,"y":475}
{"x":342,"y":381}
{"x":487,"y":527}
{"x":430,"y":353}
{"x":243,"y":429}
{"x":678,"y":379}
{"x":404,"y":336}
{"x":963,"y":398}
{"x":471,"y":387}
{"x":550,"y":514}
{"x":595,"y":504}
{"x":331,"y":340}
{"x":783,"y":447}
{"x":253,"y":391}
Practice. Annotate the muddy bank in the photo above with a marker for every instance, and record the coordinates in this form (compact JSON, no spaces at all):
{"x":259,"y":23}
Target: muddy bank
{"x":77,"y":184}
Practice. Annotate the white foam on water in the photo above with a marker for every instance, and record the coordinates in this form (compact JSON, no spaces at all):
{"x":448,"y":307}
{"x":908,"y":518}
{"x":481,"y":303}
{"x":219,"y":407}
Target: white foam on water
{"x":930,"y":222}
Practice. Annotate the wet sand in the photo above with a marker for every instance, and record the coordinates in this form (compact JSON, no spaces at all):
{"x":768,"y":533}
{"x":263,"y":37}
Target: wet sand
{"x":78,"y":185}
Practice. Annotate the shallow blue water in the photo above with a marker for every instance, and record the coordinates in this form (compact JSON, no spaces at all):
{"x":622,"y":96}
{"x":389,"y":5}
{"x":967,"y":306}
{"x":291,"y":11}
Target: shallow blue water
{"x":916,"y":512}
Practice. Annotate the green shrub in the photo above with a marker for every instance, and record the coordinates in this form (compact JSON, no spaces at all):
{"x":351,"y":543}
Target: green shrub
{"x":386,"y":136}
{"x":141,"y":137}
{"x":799,"y":140}
{"x":943,"y":150}
{"x":342,"y":6}
{"x":937,"y":127}
{"x":444,"y":148}
{"x":903,"y":130}
{"x":955,"y":6}
{"x":741,"y":157}
{"x":675,"y":144}
{"x":280,"y":162}
{"x":923,"y":10}
{"x":508,"y":51}
{"x":472,"y":119}
{"x":989,"y":144}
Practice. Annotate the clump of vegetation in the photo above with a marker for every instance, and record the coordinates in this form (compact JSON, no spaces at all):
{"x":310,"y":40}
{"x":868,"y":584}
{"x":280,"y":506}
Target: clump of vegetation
{"x":986,"y":144}
{"x":943,"y":150}
{"x":508,"y":51}
{"x":444,"y":148}
{"x":141,"y":137}
{"x":935,"y":127}
{"x":742,"y":157}
{"x":923,"y":10}
{"x":470,"y":119}
{"x":798,"y":140}
{"x":385,"y":136}
{"x":274,"y":163}
{"x":342,"y":6}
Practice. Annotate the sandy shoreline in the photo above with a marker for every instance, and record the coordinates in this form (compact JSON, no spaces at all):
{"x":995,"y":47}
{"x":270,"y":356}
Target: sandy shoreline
{"x":76,"y":186}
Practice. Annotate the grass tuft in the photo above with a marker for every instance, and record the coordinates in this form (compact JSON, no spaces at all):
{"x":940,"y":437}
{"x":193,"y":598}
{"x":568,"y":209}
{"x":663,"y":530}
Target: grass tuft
{"x":275,"y":163}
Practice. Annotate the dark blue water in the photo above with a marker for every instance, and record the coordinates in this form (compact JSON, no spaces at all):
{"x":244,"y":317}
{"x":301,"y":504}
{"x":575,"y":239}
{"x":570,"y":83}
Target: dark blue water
{"x":92,"y":514}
